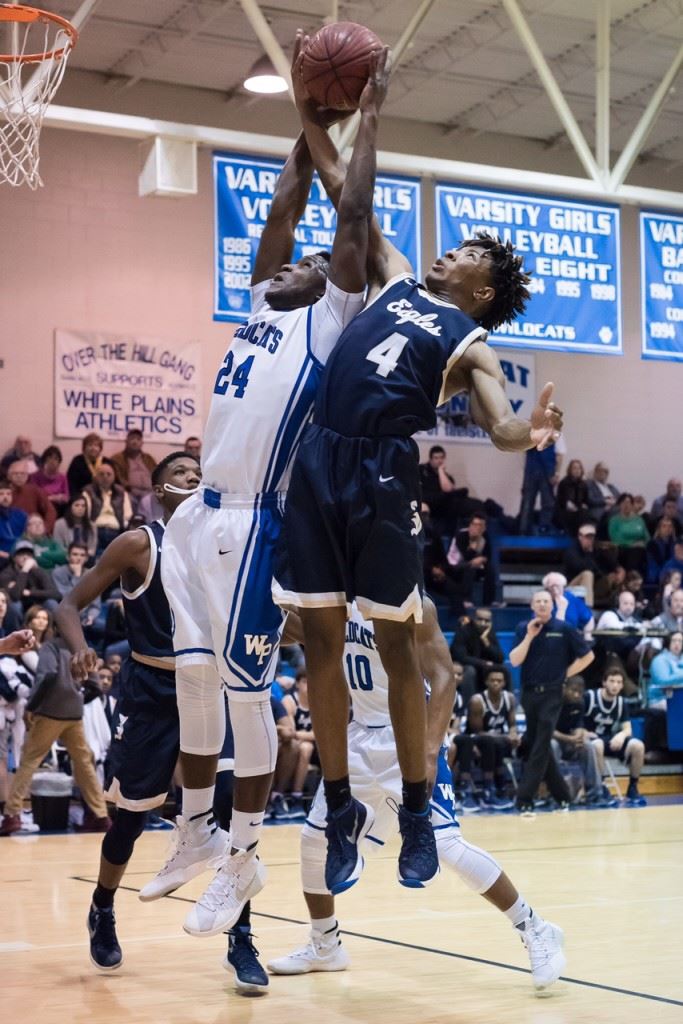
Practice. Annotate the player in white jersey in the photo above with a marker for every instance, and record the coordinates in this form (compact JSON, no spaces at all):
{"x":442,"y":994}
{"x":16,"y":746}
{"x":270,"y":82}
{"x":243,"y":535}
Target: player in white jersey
{"x":218,"y":554}
{"x":376,"y":778}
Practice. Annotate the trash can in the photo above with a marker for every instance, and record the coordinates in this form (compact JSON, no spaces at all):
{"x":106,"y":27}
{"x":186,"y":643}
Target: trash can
{"x":50,"y":799}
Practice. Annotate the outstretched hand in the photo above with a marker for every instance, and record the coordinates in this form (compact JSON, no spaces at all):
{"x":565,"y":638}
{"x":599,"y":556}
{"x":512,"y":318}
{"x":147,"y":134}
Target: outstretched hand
{"x":375,"y":90}
{"x":546,"y":419}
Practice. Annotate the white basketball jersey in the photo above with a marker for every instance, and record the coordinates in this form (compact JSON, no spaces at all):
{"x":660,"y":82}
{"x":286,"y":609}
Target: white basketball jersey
{"x":365,"y":676}
{"x":263,"y":393}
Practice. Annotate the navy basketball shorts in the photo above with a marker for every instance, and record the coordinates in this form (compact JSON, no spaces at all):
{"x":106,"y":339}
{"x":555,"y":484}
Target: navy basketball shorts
{"x":146,"y":740}
{"x":352,"y":528}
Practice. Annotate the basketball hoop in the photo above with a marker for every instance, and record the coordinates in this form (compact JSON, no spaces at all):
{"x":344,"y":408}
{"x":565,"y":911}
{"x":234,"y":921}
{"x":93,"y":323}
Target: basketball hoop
{"x":36,"y":47}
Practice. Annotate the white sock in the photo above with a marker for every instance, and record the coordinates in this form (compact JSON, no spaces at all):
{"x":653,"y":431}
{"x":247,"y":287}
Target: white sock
{"x":326,"y":927}
{"x":197,"y":802}
{"x":246,"y":828}
{"x":519,"y":913}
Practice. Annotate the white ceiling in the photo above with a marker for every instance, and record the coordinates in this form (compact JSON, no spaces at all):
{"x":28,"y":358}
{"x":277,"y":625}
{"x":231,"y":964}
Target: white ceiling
{"x":466,"y":69}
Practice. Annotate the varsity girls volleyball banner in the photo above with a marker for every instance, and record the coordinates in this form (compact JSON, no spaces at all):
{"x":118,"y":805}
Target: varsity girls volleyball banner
{"x":454,"y":421}
{"x":661,"y":270}
{"x":572,"y":251}
{"x":111,"y":383}
{"x":243,"y":192}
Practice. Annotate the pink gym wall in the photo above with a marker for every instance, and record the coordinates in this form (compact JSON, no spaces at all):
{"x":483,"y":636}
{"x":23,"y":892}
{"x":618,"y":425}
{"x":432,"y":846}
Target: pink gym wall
{"x":86,"y":252}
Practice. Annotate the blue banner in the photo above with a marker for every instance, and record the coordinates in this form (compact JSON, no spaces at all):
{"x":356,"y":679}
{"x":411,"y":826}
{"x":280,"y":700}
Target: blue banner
{"x":572,"y":252}
{"x":243,"y":191}
{"x":661,"y":294}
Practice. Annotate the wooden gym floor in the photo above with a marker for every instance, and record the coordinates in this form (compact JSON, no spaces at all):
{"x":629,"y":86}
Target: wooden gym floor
{"x":612,"y":879}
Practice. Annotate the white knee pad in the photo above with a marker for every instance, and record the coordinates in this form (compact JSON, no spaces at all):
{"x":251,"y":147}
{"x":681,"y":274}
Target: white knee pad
{"x":201,"y":709}
{"x":313,"y":857}
{"x":477,"y":869}
{"x":253,"y":727}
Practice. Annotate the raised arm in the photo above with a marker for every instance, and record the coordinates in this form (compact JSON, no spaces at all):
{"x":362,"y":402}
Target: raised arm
{"x":479,"y":372}
{"x":437,"y":668}
{"x":289,"y":202}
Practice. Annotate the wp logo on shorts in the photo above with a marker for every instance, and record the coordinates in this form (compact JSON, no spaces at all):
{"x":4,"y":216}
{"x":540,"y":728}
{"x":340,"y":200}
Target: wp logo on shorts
{"x":259,"y":644}
{"x":406,"y":313}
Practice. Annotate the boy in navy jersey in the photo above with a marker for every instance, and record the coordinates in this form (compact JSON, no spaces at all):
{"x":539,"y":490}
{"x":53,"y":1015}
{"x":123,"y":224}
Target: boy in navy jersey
{"x":352,"y":528}
{"x":609,"y":725}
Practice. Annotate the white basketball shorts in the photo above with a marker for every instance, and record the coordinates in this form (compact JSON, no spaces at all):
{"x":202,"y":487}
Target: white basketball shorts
{"x":217,"y":567}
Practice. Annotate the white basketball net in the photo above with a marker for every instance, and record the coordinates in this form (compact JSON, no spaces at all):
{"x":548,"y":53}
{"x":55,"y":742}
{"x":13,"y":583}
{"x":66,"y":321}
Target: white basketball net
{"x":26,"y":88}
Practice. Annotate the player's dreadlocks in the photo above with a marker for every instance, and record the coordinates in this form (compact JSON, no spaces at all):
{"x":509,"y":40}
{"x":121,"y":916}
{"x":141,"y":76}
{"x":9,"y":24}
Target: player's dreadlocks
{"x":508,"y":277}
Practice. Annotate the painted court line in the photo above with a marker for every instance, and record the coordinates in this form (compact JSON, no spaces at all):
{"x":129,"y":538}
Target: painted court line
{"x":437,"y":952}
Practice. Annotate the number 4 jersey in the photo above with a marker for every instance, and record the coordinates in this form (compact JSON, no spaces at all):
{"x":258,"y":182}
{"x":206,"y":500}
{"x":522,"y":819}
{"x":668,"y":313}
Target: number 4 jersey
{"x":388,"y":373}
{"x":264,"y":390}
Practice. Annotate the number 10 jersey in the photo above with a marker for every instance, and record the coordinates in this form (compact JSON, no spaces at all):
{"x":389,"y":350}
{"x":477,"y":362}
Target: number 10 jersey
{"x":388,"y":373}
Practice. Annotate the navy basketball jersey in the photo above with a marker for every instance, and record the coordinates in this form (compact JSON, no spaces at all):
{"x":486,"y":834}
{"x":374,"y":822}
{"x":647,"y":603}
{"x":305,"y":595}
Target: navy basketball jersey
{"x":388,"y":372}
{"x":302,"y":716}
{"x":497,"y":721}
{"x":603,"y":716}
{"x":148,"y":616}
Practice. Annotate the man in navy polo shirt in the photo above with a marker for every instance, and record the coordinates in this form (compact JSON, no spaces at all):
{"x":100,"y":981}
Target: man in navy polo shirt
{"x":549,"y":652}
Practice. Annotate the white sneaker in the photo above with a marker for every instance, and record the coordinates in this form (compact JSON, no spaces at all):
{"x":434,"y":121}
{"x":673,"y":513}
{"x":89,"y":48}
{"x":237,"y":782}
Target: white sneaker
{"x":544,"y":942}
{"x":317,"y":955}
{"x":193,"y":848}
{"x":239,"y":878}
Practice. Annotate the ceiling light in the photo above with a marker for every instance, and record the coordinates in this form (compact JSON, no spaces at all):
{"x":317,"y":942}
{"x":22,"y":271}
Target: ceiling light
{"x":263,"y":78}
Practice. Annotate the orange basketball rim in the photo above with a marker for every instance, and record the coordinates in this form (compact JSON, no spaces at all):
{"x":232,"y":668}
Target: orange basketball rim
{"x":21,"y":14}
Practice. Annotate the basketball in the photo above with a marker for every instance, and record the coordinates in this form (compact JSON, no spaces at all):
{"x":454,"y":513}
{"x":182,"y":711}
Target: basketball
{"x":336,"y":64}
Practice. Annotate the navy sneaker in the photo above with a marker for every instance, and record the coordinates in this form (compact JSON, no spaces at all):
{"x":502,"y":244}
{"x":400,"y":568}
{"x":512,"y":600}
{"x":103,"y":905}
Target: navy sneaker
{"x":297,"y":809}
{"x":344,"y":830}
{"x":418,"y":861}
{"x":241,"y":961}
{"x":500,"y":802}
{"x":633,"y":797}
{"x":470,"y":804}
{"x":105,"y":951}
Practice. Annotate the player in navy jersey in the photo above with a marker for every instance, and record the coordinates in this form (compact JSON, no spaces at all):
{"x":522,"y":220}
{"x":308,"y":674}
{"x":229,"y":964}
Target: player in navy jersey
{"x":145,"y":745}
{"x":352,"y":526}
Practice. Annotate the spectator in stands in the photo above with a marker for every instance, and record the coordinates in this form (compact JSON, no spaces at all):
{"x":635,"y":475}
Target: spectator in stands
{"x":671,"y":512}
{"x":55,"y":711}
{"x":53,"y":483}
{"x":134,"y":467}
{"x":67,"y":576}
{"x":625,"y":620}
{"x":666,"y":669}
{"x":296,"y":705}
{"x":28,"y":497}
{"x":541,"y":474}
{"x":660,"y":548}
{"x":640,"y":509}
{"x":568,"y":607}
{"x":602,"y":496}
{"x":628,"y":531}
{"x":671,"y":620}
{"x":107,"y":504}
{"x":24,"y":580}
{"x":83,"y":467}
{"x":48,"y":551}
{"x":12,"y":523}
{"x":673,"y":493}
{"x":675,"y":563}
{"x":671,"y":581}
{"x":571,"y":500}
{"x":571,"y":741}
{"x":592,"y":567}
{"x":75,"y":526}
{"x":10,"y":621}
{"x":287,"y":755}
{"x":447,"y":503}
{"x":609,"y":726}
{"x":193,"y":447}
{"x":475,"y":549}
{"x":491,"y":736}
{"x":549,"y":651}
{"x":633,"y":582}
{"x":21,"y":449}
{"x":475,"y":646}
{"x":443,"y":579}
